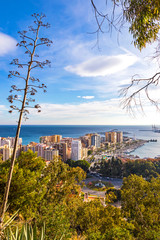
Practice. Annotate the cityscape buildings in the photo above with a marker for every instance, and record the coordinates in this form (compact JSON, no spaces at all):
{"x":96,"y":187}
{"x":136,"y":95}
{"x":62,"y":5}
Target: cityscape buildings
{"x":114,"y":137}
{"x":66,"y":148}
{"x":6,"y":147}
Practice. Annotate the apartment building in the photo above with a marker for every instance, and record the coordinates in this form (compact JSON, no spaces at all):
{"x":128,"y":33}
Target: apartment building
{"x":76,"y":152}
{"x":114,"y":137}
{"x":50,"y":139}
{"x":7,"y":152}
{"x":119,"y":137}
{"x":96,"y":140}
{"x":50,"y":154}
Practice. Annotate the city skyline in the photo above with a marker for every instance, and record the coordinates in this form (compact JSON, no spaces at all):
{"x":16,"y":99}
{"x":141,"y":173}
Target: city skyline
{"x":85,"y":78}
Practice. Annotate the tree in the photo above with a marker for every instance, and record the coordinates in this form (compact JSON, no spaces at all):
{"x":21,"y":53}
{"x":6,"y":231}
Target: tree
{"x":63,"y":181}
{"x":30,"y":40}
{"x":141,"y":204}
{"x":90,"y":152}
{"x":143,"y":19}
{"x":43,"y":193}
{"x":95,"y":221}
{"x":113,"y":195}
{"x":62,"y":188}
{"x":142,"y":16}
{"x":79,"y":163}
{"x":27,"y":188}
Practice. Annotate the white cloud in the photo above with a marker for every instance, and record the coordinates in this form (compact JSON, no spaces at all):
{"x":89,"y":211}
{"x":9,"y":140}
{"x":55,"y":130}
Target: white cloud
{"x":3,"y":107}
{"x":102,"y":65}
{"x":86,"y":97}
{"x":7,"y":44}
{"x":95,"y":112}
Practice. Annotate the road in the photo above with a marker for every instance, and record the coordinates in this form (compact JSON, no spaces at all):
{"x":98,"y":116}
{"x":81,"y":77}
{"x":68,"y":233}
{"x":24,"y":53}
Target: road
{"x":115,"y":181}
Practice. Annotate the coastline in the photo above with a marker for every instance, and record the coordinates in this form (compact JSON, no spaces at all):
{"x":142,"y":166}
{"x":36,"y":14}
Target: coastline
{"x":127,"y":151}
{"x":31,"y":133}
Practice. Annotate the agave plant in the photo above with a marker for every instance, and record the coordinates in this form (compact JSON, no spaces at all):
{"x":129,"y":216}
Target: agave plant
{"x":27,"y":232}
{"x":6,"y":224}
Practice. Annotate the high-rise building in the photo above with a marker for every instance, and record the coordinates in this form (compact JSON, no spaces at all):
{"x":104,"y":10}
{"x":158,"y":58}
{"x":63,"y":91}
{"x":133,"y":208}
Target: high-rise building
{"x":6,"y":141}
{"x":119,"y":137}
{"x":50,"y":139}
{"x":76,"y":150}
{"x":89,"y":135}
{"x":84,"y":153}
{"x":67,"y":140}
{"x":50,"y":154}
{"x":114,"y":137}
{"x":62,"y":147}
{"x":9,"y":141}
{"x":96,"y":140}
{"x":40,"y":150}
{"x":7,"y":152}
{"x":32,"y":146}
{"x":111,"y":137}
{"x":86,"y":141}
{"x":59,"y":138}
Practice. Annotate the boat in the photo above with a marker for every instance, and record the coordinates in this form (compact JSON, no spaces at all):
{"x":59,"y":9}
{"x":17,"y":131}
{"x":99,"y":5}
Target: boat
{"x":155,"y":129}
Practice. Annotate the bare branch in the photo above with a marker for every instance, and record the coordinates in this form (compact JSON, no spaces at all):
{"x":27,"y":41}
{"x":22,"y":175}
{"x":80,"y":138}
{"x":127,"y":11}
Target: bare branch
{"x":133,"y":99}
{"x":41,"y":64}
{"x":15,"y":74}
{"x":112,"y":21}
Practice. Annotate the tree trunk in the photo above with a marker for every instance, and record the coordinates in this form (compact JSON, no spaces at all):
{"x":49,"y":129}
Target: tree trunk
{"x":7,"y":188}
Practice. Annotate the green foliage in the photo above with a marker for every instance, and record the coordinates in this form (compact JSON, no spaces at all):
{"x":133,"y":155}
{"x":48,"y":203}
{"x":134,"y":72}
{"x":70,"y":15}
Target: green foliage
{"x":145,"y":168}
{"x":110,"y":168}
{"x":90,"y":152}
{"x":95,"y":221}
{"x":63,"y":184}
{"x":63,"y":181}
{"x":80,"y":163}
{"x":119,"y":233}
{"x":51,"y":194}
{"x":27,"y":232}
{"x":116,"y":168}
{"x":35,"y":185}
{"x":57,"y":222}
{"x":140,"y":203}
{"x":113,"y":194}
{"x":26,"y":189}
{"x":7,"y":222}
{"x":144,"y":17}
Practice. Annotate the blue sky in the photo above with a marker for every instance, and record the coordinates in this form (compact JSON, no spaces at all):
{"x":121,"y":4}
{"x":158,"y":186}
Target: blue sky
{"x":85,"y":78}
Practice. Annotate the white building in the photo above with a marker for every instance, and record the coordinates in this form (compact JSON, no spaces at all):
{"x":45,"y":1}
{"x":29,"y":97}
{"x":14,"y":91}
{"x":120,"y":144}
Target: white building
{"x":50,"y":154}
{"x":7,"y":152}
{"x":41,"y":148}
{"x":9,"y":141}
{"x":96,"y":140}
{"x":76,"y":150}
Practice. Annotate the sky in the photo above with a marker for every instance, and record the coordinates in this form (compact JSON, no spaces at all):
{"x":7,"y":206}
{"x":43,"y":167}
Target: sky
{"x":85,"y":76}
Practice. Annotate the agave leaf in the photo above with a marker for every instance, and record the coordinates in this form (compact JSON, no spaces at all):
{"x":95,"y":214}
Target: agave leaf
{"x":42,"y":237}
{"x":62,"y":236}
{"x":21,"y":233}
{"x":12,"y":234}
{"x":10,"y":220}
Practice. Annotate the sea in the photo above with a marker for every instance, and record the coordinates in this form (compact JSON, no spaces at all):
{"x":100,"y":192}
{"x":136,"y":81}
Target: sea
{"x":32,"y":133}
